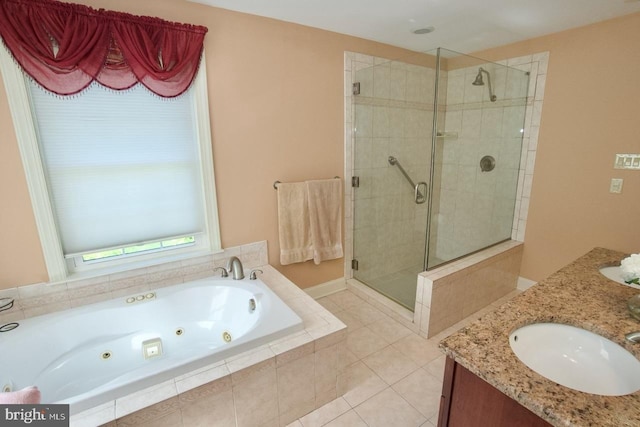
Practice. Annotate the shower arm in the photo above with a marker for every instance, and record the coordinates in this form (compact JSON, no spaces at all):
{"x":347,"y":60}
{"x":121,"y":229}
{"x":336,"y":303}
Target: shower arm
{"x":418,"y":197}
{"x":492,"y":97}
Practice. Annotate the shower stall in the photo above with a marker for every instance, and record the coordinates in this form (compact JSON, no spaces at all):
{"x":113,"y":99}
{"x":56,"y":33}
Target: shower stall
{"x":437,"y":148}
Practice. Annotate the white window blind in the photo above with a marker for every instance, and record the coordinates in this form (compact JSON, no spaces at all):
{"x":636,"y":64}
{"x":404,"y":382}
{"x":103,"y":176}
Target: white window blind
{"x":122,"y":167}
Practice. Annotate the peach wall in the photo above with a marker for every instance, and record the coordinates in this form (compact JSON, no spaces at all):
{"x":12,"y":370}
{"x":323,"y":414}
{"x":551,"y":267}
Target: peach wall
{"x":590,"y":113}
{"x":276,"y":101}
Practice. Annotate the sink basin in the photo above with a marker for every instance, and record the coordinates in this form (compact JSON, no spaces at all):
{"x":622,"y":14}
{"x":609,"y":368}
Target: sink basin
{"x":577,"y":358}
{"x":613,"y":273}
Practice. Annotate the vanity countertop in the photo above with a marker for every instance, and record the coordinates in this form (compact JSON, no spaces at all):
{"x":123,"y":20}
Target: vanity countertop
{"x":577,"y":295}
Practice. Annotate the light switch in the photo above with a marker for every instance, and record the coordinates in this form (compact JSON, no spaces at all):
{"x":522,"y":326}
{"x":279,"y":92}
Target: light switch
{"x":627,"y":161}
{"x":616,"y":185}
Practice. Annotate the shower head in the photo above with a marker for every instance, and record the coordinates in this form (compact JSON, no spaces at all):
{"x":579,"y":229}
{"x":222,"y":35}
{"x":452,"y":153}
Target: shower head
{"x":479,"y":81}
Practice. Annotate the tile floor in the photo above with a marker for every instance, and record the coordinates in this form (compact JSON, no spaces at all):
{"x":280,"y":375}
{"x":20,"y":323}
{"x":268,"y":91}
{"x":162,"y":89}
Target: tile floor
{"x":393,"y":375}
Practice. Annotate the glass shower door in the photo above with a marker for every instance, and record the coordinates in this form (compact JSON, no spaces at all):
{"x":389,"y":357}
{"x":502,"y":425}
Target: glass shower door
{"x":393,"y":133}
{"x":477,"y":150}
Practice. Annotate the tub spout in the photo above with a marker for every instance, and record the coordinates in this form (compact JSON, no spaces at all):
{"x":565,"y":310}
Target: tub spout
{"x":234,"y":266}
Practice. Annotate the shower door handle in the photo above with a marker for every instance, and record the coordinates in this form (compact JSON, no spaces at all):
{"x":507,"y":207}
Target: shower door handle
{"x":420,"y":196}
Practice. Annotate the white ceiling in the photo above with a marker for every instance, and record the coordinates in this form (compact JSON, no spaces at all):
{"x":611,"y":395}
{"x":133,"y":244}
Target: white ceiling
{"x":461,"y":25}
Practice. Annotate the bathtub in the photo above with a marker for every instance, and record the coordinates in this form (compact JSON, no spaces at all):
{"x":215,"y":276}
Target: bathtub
{"x":96,"y":353}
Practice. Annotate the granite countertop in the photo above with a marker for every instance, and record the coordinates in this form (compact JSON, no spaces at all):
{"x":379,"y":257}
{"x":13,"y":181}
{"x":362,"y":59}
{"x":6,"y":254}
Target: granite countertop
{"x":576,"y":295}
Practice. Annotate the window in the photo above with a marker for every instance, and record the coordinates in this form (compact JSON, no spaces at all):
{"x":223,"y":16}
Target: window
{"x":115,"y":176}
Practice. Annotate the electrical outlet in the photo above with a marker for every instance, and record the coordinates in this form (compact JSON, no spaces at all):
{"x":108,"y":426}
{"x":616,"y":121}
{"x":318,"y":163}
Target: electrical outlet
{"x":616,"y":185}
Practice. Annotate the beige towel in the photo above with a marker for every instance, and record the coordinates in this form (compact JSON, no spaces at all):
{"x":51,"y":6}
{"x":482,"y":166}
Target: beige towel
{"x":325,"y":218}
{"x":293,"y":223}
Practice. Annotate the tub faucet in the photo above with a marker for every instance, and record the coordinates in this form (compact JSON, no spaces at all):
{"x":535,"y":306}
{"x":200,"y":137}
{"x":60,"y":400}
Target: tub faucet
{"x":633,"y":337}
{"x":234,"y":266}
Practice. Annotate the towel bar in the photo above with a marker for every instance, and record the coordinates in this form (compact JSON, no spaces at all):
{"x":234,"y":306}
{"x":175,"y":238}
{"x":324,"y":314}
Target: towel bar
{"x":275,"y":184}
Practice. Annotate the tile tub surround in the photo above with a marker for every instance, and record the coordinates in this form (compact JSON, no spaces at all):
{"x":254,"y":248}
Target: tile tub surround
{"x":273,"y":384}
{"x":448,"y":294}
{"x":44,"y":298}
{"x":577,"y":295}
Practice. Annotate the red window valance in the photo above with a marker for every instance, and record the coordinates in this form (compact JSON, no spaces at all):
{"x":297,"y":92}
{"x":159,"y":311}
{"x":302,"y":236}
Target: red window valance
{"x":65,"y":47}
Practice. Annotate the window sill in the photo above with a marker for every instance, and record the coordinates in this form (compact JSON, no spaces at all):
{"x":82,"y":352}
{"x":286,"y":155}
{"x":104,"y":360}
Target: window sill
{"x":132,"y":266}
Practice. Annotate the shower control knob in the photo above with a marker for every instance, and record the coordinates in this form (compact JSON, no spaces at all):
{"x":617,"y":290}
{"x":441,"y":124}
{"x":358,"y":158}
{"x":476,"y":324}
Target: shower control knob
{"x":487,"y":163}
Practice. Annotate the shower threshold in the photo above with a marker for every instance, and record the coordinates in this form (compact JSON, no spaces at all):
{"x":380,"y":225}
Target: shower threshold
{"x":399,"y":287}
{"x":388,"y":306}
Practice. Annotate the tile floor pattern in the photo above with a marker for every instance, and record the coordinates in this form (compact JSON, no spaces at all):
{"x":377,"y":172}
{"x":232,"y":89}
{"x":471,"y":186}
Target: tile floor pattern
{"x":393,"y":375}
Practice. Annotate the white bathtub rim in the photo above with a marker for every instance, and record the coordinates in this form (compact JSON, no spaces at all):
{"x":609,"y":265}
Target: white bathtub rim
{"x":141,"y":380}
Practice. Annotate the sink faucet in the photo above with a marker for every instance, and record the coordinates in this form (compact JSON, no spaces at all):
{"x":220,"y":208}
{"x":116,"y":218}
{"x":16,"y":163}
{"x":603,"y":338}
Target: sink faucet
{"x":633,"y":336}
{"x":234,"y":266}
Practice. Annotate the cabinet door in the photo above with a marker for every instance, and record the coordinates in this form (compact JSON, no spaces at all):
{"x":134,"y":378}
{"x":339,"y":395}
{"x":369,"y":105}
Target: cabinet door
{"x":469,"y":401}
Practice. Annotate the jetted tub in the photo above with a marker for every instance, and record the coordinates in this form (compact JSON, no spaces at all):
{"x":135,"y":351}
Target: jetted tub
{"x":92,"y":354}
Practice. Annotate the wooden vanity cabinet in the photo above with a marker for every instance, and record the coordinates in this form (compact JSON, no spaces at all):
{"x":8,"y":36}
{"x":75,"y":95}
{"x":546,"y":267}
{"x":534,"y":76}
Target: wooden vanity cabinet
{"x":469,"y":401}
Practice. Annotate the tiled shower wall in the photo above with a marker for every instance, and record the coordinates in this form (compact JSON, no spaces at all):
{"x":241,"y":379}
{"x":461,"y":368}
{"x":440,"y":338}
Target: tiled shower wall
{"x":537,"y":66}
{"x":490,"y":128}
{"x":475,"y":208}
{"x":395,"y":115}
